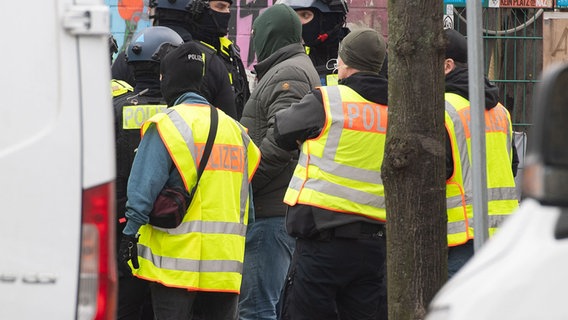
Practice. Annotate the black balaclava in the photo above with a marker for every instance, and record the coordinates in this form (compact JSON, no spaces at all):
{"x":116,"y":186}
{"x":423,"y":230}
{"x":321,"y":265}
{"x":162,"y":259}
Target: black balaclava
{"x":209,"y":26}
{"x":147,"y":76}
{"x":323,"y":29}
{"x":182,"y":71}
{"x":323,"y":34}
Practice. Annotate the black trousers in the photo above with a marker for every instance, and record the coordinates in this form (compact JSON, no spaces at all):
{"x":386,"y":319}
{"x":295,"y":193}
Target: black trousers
{"x":337,"y":278}
{"x":134,"y":302}
{"x":180,"y":304}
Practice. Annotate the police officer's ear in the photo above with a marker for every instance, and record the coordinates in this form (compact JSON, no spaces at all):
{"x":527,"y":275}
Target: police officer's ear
{"x":449,"y":65}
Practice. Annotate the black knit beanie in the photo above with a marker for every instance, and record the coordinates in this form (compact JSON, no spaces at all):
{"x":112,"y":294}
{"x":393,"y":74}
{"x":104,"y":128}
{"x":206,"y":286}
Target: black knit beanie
{"x":456,"y":46}
{"x":182,"y":71}
{"x":363,"y":49}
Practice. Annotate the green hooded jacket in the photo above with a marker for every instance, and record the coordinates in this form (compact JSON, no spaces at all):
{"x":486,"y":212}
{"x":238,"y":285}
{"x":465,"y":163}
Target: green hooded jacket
{"x":285,"y":74}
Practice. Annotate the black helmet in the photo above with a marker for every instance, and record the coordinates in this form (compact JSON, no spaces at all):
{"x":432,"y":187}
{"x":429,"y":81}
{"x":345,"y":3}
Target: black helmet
{"x":168,"y":4}
{"x":197,"y":7}
{"x":152,"y":44}
{"x":324,"y":6}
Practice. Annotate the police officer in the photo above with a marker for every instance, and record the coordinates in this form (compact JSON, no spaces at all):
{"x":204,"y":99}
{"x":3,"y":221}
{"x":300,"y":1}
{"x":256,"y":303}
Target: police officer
{"x":131,"y":110}
{"x":336,"y":197}
{"x":323,"y":27}
{"x":202,"y":257}
{"x":502,"y":160}
{"x":216,"y":86}
{"x":208,"y":22}
{"x":117,"y":87}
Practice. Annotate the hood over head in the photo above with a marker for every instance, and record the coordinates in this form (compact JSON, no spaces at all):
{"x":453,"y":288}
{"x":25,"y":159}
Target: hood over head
{"x":275,"y":28}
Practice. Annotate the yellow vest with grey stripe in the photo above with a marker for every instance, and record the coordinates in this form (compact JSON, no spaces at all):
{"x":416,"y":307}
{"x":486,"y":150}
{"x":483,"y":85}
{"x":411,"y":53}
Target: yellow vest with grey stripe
{"x":204,"y":253}
{"x":340,"y":169}
{"x":501,"y":192}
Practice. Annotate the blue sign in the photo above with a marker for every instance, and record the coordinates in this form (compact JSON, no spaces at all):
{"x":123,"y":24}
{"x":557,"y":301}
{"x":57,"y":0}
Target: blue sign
{"x":561,"y":3}
{"x":461,"y":3}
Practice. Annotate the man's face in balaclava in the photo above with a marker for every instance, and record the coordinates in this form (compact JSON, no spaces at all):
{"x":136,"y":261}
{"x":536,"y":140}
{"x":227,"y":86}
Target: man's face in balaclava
{"x":305,"y":15}
{"x":317,"y":26}
{"x":215,"y":21}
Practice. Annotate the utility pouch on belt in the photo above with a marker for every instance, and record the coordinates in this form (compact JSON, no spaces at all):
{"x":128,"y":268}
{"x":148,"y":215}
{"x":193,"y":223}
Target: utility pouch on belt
{"x":172,"y":203}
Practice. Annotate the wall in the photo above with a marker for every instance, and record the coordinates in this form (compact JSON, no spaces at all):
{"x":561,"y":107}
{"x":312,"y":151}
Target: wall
{"x":129,"y":16}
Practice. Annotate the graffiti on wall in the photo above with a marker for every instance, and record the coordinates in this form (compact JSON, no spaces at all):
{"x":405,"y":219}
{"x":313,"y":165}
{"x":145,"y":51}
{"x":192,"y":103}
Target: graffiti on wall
{"x":130,"y":16}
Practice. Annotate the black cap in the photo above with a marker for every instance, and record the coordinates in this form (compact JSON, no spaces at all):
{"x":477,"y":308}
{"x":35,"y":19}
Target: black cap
{"x":182,"y":71}
{"x":456,"y":46}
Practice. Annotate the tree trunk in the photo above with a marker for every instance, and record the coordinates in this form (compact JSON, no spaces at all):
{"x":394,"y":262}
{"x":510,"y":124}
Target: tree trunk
{"x":413,"y":170}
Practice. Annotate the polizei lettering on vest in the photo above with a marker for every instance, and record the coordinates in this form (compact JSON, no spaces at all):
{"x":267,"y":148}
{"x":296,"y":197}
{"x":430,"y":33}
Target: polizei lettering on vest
{"x":134,"y":116}
{"x":365,"y":117}
{"x":224,"y":157}
{"x":495,"y":121}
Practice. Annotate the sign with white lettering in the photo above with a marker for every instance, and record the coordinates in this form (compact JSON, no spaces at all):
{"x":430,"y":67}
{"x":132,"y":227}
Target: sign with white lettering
{"x":512,"y":3}
{"x":449,"y":17}
{"x":526,"y":4}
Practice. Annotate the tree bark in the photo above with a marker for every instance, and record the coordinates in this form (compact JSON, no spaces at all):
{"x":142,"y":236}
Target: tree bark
{"x":413,"y":169}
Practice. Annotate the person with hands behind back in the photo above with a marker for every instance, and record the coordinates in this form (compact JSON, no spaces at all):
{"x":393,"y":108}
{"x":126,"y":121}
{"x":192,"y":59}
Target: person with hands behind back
{"x":285,"y":74}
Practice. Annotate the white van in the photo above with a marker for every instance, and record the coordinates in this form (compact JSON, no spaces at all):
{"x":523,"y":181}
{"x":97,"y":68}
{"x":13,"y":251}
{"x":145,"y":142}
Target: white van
{"x":521,"y":273}
{"x":56,"y":162}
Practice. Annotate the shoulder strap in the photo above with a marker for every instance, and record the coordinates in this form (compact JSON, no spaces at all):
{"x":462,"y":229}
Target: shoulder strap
{"x":208,"y":147}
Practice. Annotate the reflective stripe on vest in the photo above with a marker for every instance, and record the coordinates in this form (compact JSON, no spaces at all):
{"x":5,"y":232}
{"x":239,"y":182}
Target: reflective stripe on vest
{"x":458,"y":206}
{"x":206,"y":252}
{"x":501,"y":192}
{"x":340,"y":169}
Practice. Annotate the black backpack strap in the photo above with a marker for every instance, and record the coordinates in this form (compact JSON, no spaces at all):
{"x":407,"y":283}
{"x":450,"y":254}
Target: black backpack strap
{"x":208,"y":146}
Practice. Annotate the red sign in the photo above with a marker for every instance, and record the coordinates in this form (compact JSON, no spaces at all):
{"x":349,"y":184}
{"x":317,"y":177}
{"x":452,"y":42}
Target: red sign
{"x":526,"y":4}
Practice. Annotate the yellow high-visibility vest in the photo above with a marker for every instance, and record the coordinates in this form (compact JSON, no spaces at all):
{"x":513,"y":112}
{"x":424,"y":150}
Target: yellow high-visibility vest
{"x":204,"y":253}
{"x":501,"y":192}
{"x":340,"y":169}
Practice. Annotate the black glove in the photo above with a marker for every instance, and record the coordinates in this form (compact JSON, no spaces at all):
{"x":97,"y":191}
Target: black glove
{"x":128,"y":251}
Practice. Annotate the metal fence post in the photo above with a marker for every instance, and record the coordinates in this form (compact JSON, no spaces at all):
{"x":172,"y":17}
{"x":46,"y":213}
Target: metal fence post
{"x":477,"y":105}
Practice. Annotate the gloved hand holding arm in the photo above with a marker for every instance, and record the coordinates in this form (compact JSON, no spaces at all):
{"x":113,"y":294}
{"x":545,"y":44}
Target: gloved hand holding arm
{"x":301,"y":121}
